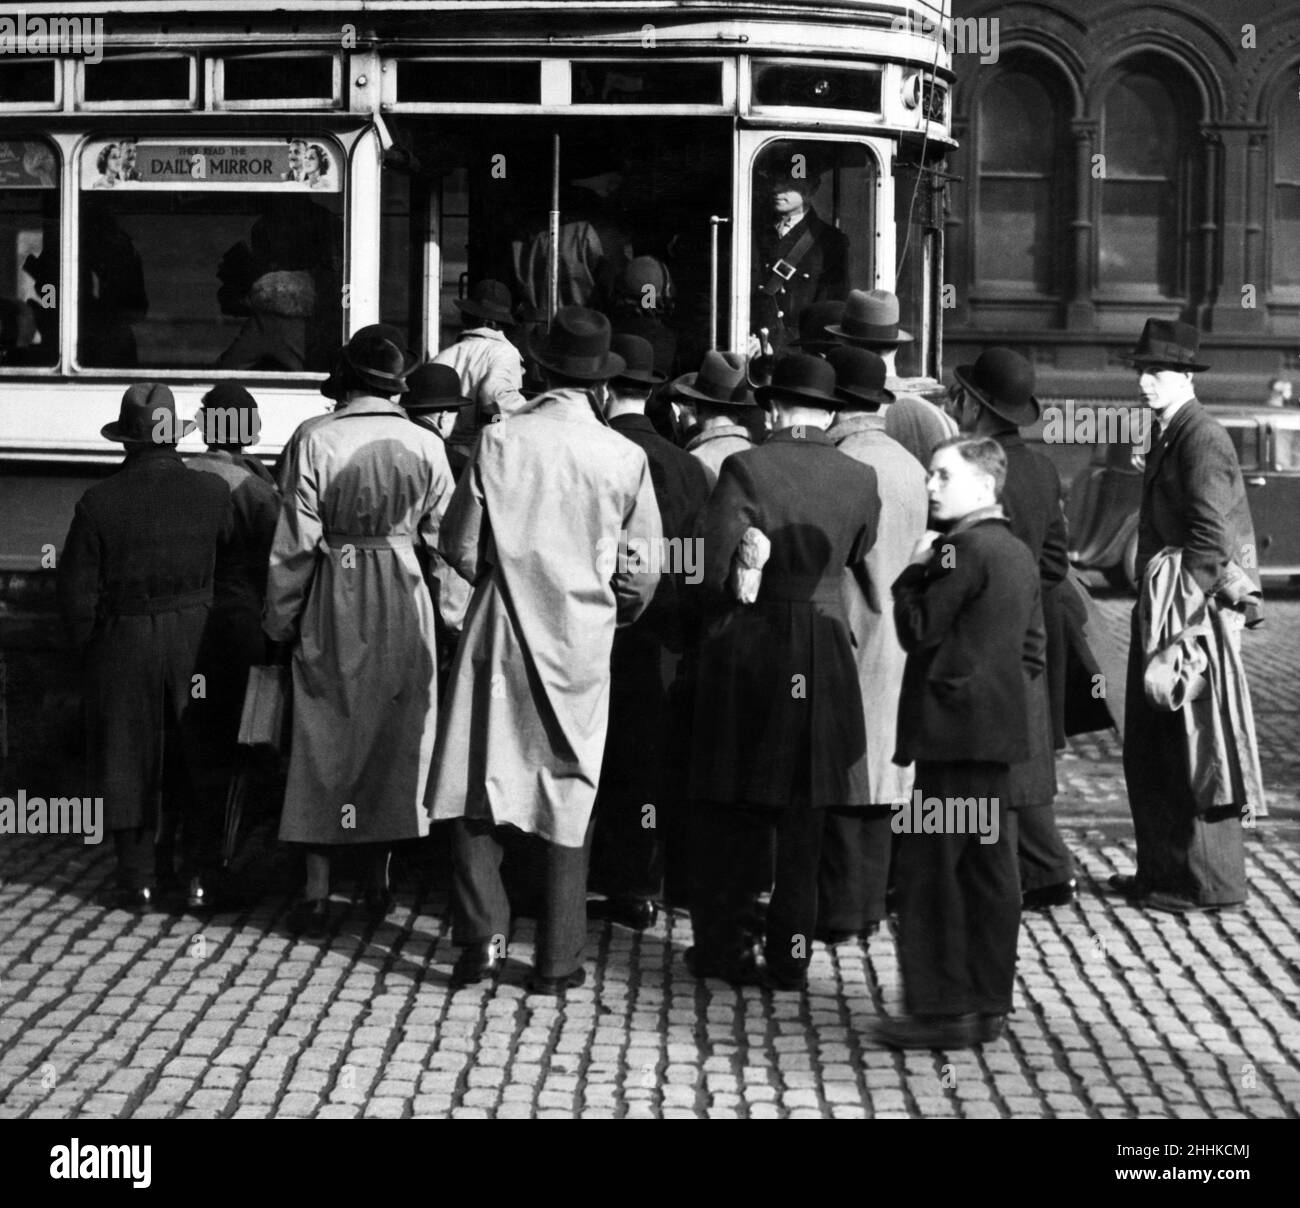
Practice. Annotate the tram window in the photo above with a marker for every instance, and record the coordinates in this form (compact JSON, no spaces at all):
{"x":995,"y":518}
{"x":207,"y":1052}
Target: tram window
{"x":28,"y":81}
{"x":817,"y":87}
{"x":647,"y":83}
{"x":29,"y":254}
{"x":433,"y":83}
{"x":813,"y":228}
{"x":278,"y":77}
{"x":210,"y":254}
{"x":139,"y":78}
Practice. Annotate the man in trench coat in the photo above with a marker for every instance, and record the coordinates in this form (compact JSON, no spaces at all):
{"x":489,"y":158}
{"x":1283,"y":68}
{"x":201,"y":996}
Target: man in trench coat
{"x":549,"y":522}
{"x":346,"y":589}
{"x":135,"y":588}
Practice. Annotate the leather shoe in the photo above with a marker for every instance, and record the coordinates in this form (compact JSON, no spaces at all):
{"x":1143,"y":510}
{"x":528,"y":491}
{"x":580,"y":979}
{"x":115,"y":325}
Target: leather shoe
{"x":1127,"y":885}
{"x":1169,"y":903}
{"x":637,"y":913}
{"x":928,"y":1032}
{"x":137,"y":901}
{"x":537,"y":984}
{"x":776,"y":979}
{"x":832,"y":937}
{"x":1046,"y":896}
{"x":743,"y":970}
{"x":990,"y":1028}
{"x":311,"y":917}
{"x":378,"y":904}
{"x":476,"y":963}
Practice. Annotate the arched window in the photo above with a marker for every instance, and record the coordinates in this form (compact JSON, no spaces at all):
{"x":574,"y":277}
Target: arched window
{"x":1147,"y":181}
{"x":1023,"y":149}
{"x":1286,"y":192}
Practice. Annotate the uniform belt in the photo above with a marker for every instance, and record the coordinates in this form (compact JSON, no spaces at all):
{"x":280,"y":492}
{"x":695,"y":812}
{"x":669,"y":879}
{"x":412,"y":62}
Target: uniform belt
{"x":157,"y":604}
{"x":369,"y":541}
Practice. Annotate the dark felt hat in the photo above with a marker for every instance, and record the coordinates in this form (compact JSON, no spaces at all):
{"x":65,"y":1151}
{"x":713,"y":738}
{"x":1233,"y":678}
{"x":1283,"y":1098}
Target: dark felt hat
{"x":433,"y":387}
{"x":1003,"y":381}
{"x":800,"y":378}
{"x":639,"y":356}
{"x":577,"y":346}
{"x":332,"y":386}
{"x":488,"y":300}
{"x":721,"y":381}
{"x":870,"y":319}
{"x":1168,"y":344}
{"x":859,"y":377}
{"x":147,"y":417}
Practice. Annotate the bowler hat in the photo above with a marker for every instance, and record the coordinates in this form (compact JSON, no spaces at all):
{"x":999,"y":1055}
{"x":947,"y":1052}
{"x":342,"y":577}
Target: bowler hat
{"x":147,"y":417}
{"x":813,"y":322}
{"x":721,"y":381}
{"x":433,"y":387}
{"x":1002,"y":381}
{"x":639,"y":356}
{"x":577,"y":346}
{"x":859,"y":377}
{"x":1168,"y":344}
{"x":332,"y":386}
{"x":230,"y":399}
{"x":645,"y":282}
{"x":489,"y":300}
{"x":871,"y":319}
{"x":802,"y":378}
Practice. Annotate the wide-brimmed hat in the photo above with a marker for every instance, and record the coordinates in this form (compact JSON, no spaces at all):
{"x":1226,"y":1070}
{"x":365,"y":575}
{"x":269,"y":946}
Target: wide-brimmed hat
{"x":721,"y":381}
{"x":813,"y":322}
{"x":577,"y":346}
{"x":147,"y":417}
{"x":489,"y":300}
{"x":228,"y":401}
{"x":859,"y":377}
{"x":803,"y":378}
{"x":870,"y":319}
{"x":1168,"y":344}
{"x":375,"y":363}
{"x":1003,"y":381}
{"x":639,"y":358}
{"x":433,"y":387}
{"x":332,"y":386}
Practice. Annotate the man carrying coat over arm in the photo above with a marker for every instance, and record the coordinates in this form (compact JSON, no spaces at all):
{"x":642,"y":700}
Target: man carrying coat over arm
{"x":549,"y":522}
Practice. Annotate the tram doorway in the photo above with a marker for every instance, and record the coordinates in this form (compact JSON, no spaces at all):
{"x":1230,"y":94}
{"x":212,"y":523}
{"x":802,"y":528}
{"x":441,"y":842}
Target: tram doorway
{"x":644,"y":205}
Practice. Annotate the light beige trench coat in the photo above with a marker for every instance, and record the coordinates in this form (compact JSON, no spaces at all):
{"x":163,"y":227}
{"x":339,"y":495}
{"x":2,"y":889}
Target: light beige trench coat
{"x":344,"y":581}
{"x":904,"y":509}
{"x":535,"y":525}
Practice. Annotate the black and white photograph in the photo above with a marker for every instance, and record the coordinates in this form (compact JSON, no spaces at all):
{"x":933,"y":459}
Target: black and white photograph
{"x":690,"y":559}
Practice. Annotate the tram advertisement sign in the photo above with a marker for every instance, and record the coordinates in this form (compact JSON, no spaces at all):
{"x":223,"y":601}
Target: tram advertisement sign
{"x":294,"y":165}
{"x":27,"y":164}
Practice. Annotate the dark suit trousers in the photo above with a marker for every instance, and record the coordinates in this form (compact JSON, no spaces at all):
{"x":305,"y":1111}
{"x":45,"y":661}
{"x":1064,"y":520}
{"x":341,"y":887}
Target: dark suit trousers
{"x":959,"y":903}
{"x":730,"y":842}
{"x":481,"y":910}
{"x":1200,"y":857}
{"x":1044,"y":858}
{"x":853,"y":873}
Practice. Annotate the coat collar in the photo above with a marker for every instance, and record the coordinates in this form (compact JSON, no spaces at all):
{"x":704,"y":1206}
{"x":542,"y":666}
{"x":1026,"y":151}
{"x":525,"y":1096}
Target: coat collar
{"x":630,"y":421}
{"x":571,"y":403}
{"x":979,"y":516}
{"x":853,"y":425}
{"x":369,"y":404}
{"x":1009,"y":438}
{"x":717,"y":434}
{"x":804,"y":434}
{"x":150,"y":456}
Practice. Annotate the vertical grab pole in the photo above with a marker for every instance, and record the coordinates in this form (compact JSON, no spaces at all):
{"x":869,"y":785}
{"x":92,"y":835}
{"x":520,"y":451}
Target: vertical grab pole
{"x":553,"y":253}
{"x":715,"y":221}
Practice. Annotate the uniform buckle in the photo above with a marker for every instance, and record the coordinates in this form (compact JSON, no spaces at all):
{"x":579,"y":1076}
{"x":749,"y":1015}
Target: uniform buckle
{"x":784,"y":269}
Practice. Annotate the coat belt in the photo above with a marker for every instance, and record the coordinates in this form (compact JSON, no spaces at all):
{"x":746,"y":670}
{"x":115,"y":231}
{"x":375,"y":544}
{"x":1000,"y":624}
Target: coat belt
{"x":369,"y":541}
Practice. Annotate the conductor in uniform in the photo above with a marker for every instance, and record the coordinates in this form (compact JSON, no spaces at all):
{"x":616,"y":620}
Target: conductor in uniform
{"x":799,"y":258}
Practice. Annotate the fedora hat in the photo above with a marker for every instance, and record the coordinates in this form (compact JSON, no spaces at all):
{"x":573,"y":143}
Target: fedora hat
{"x":1168,"y":344}
{"x":721,"y":381}
{"x":813,"y":322}
{"x":375,"y":363}
{"x":433,"y":387}
{"x":226,"y":401}
{"x":639,"y":358}
{"x":332,"y":386}
{"x":870,"y":318}
{"x":489,"y":300}
{"x":1003,"y":381}
{"x":147,"y":417}
{"x":577,"y":346}
{"x":801,"y":377}
{"x":859,"y":377}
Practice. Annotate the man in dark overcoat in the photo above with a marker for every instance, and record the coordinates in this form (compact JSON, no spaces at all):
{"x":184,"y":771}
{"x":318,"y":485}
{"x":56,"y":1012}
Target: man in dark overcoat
{"x":994,"y":397}
{"x":779,"y":732}
{"x":1193,"y":497}
{"x":634,"y":806}
{"x":135,"y":588}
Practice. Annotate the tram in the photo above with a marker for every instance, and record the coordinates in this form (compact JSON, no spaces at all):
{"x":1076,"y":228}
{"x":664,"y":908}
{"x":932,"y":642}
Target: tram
{"x":193,"y":192}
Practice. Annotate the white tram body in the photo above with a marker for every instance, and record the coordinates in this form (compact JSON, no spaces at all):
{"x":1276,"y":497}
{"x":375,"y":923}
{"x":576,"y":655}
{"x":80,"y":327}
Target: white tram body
{"x":374,"y":157}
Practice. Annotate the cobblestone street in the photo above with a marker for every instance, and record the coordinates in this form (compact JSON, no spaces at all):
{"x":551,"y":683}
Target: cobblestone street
{"x":1120,"y":1012}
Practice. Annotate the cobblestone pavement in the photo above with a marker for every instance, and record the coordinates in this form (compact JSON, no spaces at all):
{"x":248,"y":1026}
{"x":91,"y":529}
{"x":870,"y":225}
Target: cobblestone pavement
{"x":1120,"y":1012}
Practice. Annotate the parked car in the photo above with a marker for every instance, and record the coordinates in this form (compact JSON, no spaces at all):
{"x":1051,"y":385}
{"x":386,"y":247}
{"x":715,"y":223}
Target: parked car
{"x":1103,"y":500}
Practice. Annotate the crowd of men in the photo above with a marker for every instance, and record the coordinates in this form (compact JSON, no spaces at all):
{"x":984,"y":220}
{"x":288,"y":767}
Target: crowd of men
{"x":793,"y":656}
